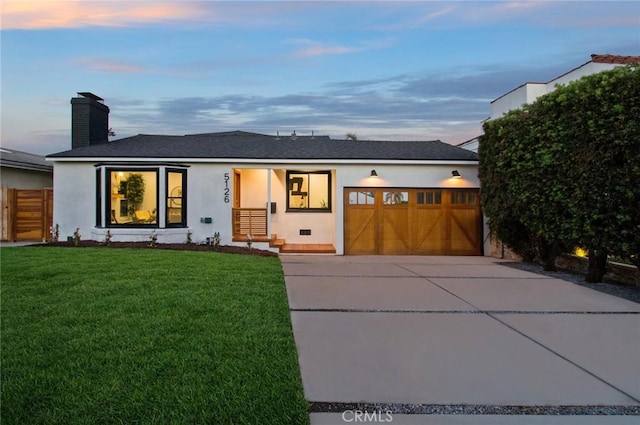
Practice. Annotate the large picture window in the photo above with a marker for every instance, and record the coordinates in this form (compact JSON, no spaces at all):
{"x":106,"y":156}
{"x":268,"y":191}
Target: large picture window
{"x":133,"y":197}
{"x":309,"y":191}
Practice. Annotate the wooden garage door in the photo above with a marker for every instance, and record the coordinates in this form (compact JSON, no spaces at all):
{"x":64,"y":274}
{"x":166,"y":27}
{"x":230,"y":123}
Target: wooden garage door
{"x":389,"y":221}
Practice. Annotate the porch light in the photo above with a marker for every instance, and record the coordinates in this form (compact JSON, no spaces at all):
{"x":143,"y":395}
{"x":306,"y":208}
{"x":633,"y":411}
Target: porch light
{"x":456,"y":174}
{"x":373,"y":173}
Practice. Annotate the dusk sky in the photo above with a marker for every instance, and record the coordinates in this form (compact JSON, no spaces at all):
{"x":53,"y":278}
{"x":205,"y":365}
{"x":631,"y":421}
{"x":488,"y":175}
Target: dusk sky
{"x":381,"y":69}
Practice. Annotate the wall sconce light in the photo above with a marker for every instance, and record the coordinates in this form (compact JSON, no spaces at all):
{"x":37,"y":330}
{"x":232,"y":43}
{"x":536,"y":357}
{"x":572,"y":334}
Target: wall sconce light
{"x":373,"y":173}
{"x":456,"y":174}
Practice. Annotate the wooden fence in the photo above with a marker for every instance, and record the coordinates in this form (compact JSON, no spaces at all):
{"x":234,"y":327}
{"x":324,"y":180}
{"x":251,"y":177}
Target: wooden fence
{"x":26,"y":215}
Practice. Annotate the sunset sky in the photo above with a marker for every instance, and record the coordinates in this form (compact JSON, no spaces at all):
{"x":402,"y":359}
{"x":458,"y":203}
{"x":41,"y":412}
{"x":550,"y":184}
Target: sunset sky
{"x":381,"y":69}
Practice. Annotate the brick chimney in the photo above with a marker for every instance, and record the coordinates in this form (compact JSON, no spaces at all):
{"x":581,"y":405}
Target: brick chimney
{"x":89,"y":120}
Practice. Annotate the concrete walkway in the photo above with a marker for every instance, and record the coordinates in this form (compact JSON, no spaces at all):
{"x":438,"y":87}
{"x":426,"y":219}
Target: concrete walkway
{"x":459,"y":340}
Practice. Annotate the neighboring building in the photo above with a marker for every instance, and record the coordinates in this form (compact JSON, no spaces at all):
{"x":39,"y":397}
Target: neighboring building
{"x":26,"y":196}
{"x":529,"y":92}
{"x":470,"y":145}
{"x":293,"y":193}
{"x":21,"y":170}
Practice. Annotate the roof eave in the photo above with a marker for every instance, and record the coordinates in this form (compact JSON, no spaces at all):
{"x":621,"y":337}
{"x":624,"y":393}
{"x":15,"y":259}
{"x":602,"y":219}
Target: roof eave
{"x":270,"y":160}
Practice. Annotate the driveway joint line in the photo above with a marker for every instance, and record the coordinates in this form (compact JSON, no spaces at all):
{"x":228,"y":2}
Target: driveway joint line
{"x":474,"y":409}
{"x":540,"y":344}
{"x":415,"y":276}
{"x":522,"y":312}
{"x":442,"y":288}
{"x":585,"y":370}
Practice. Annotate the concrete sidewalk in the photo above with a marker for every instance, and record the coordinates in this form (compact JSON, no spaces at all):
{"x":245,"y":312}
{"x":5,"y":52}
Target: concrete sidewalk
{"x":438,"y":336}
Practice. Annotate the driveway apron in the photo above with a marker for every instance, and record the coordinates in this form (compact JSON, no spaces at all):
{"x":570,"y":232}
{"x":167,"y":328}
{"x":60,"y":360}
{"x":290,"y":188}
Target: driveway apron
{"x":459,"y":340}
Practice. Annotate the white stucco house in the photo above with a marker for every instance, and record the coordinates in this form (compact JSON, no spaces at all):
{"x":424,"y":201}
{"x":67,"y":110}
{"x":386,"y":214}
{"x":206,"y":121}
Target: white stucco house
{"x":289,"y":193}
{"x":528,"y":92}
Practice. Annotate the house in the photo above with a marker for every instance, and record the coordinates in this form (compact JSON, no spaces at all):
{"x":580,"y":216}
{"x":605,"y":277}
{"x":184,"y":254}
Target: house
{"x":470,"y":145}
{"x":528,"y":92}
{"x":290,"y":193}
{"x":22,"y":170}
{"x":26,"y":196}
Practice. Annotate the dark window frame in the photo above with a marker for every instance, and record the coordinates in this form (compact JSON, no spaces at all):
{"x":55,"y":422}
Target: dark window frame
{"x":183,"y":198}
{"x":329,"y":207}
{"x":107,"y":199}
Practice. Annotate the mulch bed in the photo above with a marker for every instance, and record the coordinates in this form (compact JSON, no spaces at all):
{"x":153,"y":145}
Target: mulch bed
{"x":227,"y":249}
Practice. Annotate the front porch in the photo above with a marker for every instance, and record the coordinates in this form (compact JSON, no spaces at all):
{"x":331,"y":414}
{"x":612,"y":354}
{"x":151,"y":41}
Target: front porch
{"x":277,"y":209}
{"x":251,"y":223}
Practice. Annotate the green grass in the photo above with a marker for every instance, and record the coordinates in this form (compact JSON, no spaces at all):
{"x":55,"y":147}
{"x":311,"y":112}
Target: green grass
{"x":125,"y":336}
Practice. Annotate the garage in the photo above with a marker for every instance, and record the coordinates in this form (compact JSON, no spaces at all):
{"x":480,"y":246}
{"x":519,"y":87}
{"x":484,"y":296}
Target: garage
{"x":410,"y":221}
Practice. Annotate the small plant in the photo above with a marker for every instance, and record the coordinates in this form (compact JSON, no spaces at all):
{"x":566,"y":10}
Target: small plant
{"x":189,"y":240}
{"x":55,"y":233}
{"x":76,"y":237}
{"x":249,"y":241}
{"x":107,"y":238}
{"x":153,"y":240}
{"x":215,"y":240}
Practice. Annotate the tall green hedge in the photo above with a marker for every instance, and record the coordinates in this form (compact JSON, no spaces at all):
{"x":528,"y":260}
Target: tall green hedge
{"x":564,"y":171}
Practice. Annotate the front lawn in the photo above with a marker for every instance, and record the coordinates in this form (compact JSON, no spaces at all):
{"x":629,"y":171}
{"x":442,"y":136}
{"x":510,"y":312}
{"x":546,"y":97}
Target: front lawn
{"x":100,"y":335}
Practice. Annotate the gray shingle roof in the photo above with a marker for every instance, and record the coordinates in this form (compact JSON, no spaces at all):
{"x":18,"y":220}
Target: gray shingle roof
{"x":242,"y":145}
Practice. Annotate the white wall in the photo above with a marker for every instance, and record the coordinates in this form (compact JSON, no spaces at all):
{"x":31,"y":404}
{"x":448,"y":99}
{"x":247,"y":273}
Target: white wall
{"x":74,"y":198}
{"x":529,"y":92}
{"x":206,"y":198}
{"x":524,"y":94}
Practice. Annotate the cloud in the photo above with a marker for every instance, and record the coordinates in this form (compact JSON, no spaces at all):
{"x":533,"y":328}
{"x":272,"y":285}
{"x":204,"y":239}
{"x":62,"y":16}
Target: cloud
{"x":310,"y":48}
{"x":446,"y":104}
{"x":434,"y":12}
{"x":109,"y":66}
{"x":377,"y":113}
{"x":40,"y":14}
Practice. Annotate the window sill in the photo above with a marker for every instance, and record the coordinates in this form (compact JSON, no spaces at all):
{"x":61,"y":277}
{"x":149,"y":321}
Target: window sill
{"x":308,"y":210}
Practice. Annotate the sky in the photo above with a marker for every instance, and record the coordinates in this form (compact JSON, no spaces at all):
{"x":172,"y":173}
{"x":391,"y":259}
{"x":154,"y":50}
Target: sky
{"x":384,"y":70}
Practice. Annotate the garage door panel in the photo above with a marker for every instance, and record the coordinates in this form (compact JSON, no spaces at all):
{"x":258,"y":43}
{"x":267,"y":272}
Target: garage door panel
{"x":464,"y":232}
{"x":394,"y":236}
{"x":427,"y":233}
{"x":360,"y":231}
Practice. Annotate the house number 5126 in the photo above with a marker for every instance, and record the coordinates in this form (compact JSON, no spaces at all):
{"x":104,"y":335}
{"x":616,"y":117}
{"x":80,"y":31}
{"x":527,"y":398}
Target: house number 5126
{"x":226,"y":188}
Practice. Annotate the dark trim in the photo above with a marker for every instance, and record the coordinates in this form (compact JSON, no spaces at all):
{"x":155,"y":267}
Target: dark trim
{"x":139,"y":165}
{"x":183,"y":205}
{"x":329,"y":209}
{"x":107,"y":186}
{"x":99,"y":195}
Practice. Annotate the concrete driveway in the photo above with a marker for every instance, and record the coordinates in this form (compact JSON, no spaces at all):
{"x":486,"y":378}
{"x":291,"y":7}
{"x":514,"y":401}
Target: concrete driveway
{"x":459,"y":340}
